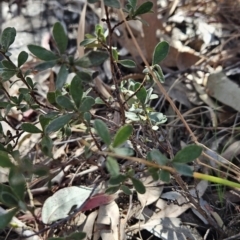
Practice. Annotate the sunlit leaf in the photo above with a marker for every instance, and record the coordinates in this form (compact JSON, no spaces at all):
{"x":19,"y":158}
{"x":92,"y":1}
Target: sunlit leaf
{"x":122,"y":135}
{"x":112,"y":166}
{"x":127,"y":63}
{"x":160,"y":52}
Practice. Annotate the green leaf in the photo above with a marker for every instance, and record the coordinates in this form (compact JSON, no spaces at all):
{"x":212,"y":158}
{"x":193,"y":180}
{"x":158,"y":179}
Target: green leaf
{"x":183,"y":169}
{"x":87,"y":42}
{"x":138,"y":185}
{"x":41,"y":171}
{"x":76,"y":236}
{"x":122,"y":135}
{"x":157,"y":156}
{"x":112,"y":3}
{"x":112,"y":166}
{"x":17,"y":182}
{"x":22,"y":58}
{"x":133,"y":3}
{"x":9,"y":65}
{"x":144,"y":8}
{"x":5,"y":160}
{"x":87,"y":104}
{"x":9,"y":199}
{"x":126,"y":190}
{"x":84,"y":76}
{"x":164,"y":176}
{"x":60,"y":37}
{"x":28,"y":127}
{"x":92,"y":59}
{"x":51,"y":97}
{"x":115,"y":54}
{"x":42,"y":53}
{"x":76,"y":90}
{"x":124,"y":151}
{"x":154,"y":172}
{"x":141,"y":93}
{"x":46,"y":146}
{"x":58,"y":123}
{"x":127,"y":63}
{"x":7,"y":38}
{"x":45,"y":65}
{"x":24,"y":90}
{"x":188,"y":154}
{"x":44,"y":121}
{"x":87,"y":117}
{"x":112,"y":190}
{"x":102,"y":130}
{"x":6,"y":74}
{"x":65,"y":103}
{"x":61,"y":77}
{"x":6,"y":218}
{"x":120,"y":178}
{"x":160,"y":52}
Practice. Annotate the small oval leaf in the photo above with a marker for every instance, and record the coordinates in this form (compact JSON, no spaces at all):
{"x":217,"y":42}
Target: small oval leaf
{"x":127,"y":63}
{"x":42,"y":53}
{"x":60,"y":37}
{"x":126,"y":190}
{"x":92,"y":59}
{"x":183,"y":169}
{"x":144,"y":8}
{"x":164,"y":176}
{"x":102,"y":130}
{"x":58,"y":123}
{"x":76,"y":90}
{"x":28,"y":127}
{"x":160,"y":52}
{"x":5,"y":160}
{"x":138,"y":185}
{"x":61,"y":77}
{"x":65,"y":103}
{"x":112,"y":166}
{"x":22,"y":58}
{"x":188,"y":154}
{"x":7,"y":38}
{"x":112,"y":3}
{"x":122,"y":135}
{"x":157,"y":156}
{"x":87,"y":104}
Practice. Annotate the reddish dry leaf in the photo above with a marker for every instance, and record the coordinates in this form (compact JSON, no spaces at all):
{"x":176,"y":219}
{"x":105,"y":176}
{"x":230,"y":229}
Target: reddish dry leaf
{"x":97,"y":201}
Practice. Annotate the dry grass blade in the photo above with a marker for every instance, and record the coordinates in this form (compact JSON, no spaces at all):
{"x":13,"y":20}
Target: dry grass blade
{"x":81,"y":30}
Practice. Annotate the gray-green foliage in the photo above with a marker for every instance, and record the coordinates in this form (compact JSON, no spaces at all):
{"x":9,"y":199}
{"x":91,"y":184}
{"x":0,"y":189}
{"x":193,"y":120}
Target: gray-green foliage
{"x":71,"y":103}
